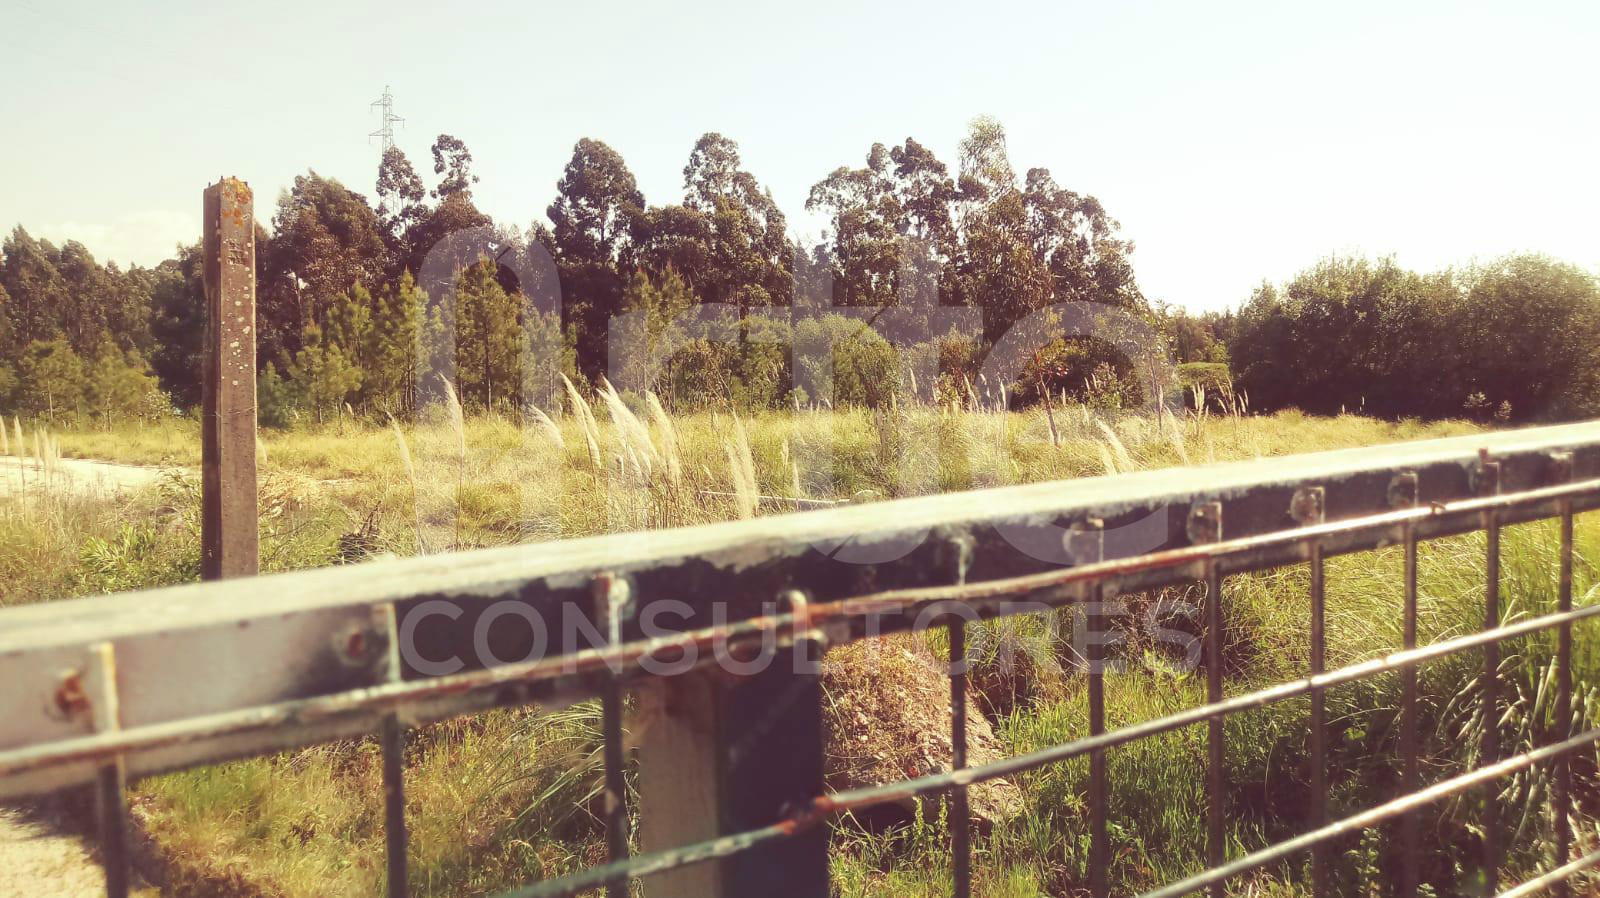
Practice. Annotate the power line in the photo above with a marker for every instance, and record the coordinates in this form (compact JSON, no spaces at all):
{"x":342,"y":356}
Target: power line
{"x":386,"y":103}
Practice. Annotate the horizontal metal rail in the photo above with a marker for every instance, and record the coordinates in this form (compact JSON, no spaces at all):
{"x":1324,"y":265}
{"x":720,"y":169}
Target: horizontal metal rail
{"x":1544,"y":882}
{"x":836,"y":622}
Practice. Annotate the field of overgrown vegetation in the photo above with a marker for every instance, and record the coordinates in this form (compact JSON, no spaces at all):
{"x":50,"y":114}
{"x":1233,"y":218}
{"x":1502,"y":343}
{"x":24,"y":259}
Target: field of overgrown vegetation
{"x":510,"y":797}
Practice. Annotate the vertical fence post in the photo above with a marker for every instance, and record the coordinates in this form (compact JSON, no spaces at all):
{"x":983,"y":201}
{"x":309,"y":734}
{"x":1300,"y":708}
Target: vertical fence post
{"x":1563,"y":709}
{"x":228,"y":532}
{"x":392,"y":740}
{"x":1405,"y":492}
{"x":1489,"y":485}
{"x":111,"y":805}
{"x":610,"y":594}
{"x":958,"y":550}
{"x":1087,"y":545}
{"x":1309,"y":508}
{"x":727,"y":752}
{"x":1205,"y":526}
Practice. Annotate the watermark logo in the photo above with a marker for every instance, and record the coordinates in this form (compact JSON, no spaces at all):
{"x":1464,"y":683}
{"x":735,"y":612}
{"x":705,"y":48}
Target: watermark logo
{"x":846,"y":364}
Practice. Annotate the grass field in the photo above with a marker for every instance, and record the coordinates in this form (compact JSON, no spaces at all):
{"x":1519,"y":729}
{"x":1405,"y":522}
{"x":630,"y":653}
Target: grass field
{"x":508,"y":797}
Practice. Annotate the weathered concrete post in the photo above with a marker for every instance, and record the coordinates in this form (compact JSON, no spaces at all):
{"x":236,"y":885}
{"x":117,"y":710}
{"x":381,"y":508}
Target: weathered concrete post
{"x":228,"y":532}
{"x":725,"y":755}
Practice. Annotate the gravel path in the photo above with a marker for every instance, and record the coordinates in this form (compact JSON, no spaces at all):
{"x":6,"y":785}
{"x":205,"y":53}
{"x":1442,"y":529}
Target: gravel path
{"x":38,"y":860}
{"x":76,"y":474}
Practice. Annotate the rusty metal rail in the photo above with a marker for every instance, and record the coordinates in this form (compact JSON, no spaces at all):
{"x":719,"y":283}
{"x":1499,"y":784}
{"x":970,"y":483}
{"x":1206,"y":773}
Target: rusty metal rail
{"x":98,"y":691}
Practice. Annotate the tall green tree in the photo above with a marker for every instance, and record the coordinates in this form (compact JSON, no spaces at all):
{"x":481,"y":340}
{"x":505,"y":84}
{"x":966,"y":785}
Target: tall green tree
{"x":37,"y":290}
{"x":1531,"y":330}
{"x":454,"y":211}
{"x":394,"y":341}
{"x":750,"y":263}
{"x":50,"y":379}
{"x":489,"y":342}
{"x":177,"y":325}
{"x":120,"y":386}
{"x":327,"y":241}
{"x":325,"y":373}
{"x":452,"y":161}
{"x":596,"y":212}
{"x":402,"y":204}
{"x":865,"y":213}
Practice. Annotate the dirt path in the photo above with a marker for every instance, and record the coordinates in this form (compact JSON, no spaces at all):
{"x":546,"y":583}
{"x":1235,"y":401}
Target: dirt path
{"x":75,"y":474}
{"x":39,"y":860}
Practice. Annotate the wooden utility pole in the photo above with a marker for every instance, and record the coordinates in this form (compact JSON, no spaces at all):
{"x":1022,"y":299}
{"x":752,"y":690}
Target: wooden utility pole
{"x":229,"y":541}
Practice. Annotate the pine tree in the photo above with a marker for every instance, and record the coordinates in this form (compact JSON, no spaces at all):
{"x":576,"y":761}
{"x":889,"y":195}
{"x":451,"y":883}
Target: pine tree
{"x":391,"y":355}
{"x":324,"y":373}
{"x":277,"y":399}
{"x":489,"y":338}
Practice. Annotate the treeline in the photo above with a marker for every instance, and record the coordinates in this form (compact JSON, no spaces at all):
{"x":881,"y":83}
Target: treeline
{"x":342,"y":321}
{"x":344,"y":324}
{"x":1513,"y":340}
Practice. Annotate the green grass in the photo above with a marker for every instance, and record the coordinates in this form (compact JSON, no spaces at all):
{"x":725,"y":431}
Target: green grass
{"x":508,"y":797}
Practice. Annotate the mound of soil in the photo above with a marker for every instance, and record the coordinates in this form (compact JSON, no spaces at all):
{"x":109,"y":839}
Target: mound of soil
{"x":888,"y":719}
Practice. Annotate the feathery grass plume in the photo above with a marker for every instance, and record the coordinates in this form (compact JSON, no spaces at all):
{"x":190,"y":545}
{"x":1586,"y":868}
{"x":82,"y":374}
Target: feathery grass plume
{"x":742,"y":468}
{"x":546,"y":426}
{"x":411,"y":476}
{"x":585,"y":416}
{"x":1106,"y":460}
{"x":669,"y":450}
{"x":1124,"y":458}
{"x":1175,"y":435}
{"x":458,"y":420}
{"x":5,"y":439}
{"x":631,"y":432}
{"x":794,"y":473}
{"x":261,"y":450}
{"x":458,"y":425}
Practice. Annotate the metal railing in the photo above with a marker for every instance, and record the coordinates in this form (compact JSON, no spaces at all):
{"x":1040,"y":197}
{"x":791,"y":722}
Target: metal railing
{"x":100,"y":690}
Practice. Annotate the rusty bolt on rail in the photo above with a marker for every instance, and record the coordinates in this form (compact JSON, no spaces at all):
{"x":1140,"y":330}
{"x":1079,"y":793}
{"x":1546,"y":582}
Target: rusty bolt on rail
{"x":1309,"y":505}
{"x":70,"y":697}
{"x":1486,"y":476}
{"x":1404,"y":490}
{"x":1560,"y":467}
{"x":1205,"y":523}
{"x":1085,"y":542}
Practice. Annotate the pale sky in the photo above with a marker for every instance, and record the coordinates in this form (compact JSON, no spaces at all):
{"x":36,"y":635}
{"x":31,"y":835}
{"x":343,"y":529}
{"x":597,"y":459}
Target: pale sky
{"x":1235,"y":141}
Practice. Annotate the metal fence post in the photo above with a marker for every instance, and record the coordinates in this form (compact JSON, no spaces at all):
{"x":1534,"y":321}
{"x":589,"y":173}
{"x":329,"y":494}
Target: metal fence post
{"x":1308,"y":509}
{"x":959,"y":558}
{"x":100,"y":687}
{"x":1489,"y":485}
{"x":1563,"y":710}
{"x":1404,"y":493}
{"x":228,"y":529}
{"x":1087,"y":544}
{"x":1205,"y":526}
